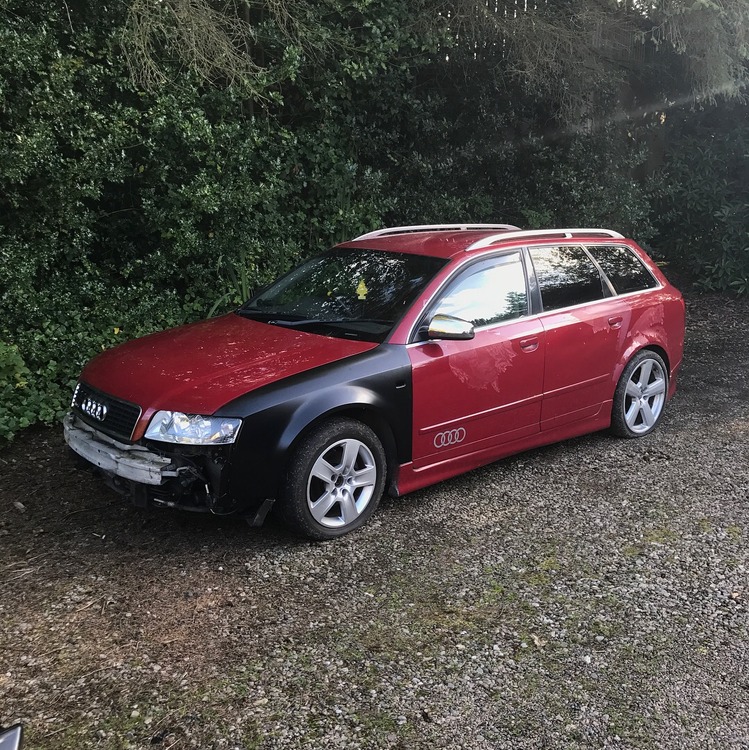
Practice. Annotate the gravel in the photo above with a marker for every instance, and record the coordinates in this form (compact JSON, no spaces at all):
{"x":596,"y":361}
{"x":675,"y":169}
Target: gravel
{"x":592,"y":594}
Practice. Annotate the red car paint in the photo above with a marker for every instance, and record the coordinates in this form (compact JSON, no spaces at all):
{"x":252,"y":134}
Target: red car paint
{"x":492,"y":388}
{"x":558,"y":371}
{"x":199,"y":367}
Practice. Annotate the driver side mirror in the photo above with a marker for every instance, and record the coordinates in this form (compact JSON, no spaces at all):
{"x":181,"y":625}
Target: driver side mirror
{"x":447,"y":327}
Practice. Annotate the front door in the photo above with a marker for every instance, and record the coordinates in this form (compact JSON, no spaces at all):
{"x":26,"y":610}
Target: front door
{"x":474,"y":394}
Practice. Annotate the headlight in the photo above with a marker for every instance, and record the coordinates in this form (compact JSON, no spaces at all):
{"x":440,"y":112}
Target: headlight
{"x":192,"y":429}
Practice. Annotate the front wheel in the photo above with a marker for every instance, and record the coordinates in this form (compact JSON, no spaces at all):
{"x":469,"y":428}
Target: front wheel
{"x":335,"y":480}
{"x":640,"y":395}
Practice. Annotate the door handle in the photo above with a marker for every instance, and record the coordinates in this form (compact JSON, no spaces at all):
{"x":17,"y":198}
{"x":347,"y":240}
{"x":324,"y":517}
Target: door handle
{"x":529,"y":345}
{"x":616,"y":321}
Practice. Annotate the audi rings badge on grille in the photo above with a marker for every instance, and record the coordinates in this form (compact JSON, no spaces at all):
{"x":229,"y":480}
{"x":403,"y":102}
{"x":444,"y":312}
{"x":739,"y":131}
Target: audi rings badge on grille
{"x":450,"y":437}
{"x":94,"y":409}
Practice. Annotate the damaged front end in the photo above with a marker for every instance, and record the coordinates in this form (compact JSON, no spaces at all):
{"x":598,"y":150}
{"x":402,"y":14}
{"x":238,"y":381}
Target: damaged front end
{"x":193,"y":478}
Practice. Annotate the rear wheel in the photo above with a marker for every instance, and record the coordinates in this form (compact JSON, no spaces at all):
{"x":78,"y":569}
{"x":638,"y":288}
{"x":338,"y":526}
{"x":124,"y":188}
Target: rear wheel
{"x":335,"y":480}
{"x":640,"y":395}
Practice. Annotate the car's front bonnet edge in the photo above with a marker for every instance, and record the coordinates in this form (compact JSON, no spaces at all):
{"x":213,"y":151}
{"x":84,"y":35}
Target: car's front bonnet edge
{"x":126,"y":461}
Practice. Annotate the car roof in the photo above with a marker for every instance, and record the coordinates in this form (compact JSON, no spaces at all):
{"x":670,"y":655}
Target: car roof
{"x":449,"y":240}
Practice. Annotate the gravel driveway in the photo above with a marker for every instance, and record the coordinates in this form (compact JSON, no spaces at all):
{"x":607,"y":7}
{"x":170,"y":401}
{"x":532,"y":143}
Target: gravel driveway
{"x":588,"y":595}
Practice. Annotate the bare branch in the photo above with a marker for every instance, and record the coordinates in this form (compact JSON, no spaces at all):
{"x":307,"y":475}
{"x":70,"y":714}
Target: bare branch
{"x":215,"y":41}
{"x":210,"y":42}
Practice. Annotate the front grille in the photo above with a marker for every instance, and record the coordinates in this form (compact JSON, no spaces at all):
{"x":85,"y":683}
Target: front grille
{"x":119,"y":417}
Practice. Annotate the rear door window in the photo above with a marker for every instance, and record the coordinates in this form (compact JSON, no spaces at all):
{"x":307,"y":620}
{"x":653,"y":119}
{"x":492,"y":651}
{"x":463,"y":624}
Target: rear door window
{"x":567,"y":276}
{"x":623,"y":268}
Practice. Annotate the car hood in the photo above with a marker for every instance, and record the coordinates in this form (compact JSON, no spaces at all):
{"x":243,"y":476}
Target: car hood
{"x":199,"y":367}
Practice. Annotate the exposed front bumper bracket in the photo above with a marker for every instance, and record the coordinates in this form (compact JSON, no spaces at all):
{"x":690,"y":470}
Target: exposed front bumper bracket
{"x":127,"y":461}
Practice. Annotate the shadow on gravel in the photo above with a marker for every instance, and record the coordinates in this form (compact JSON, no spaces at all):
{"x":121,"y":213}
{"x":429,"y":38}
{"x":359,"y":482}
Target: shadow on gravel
{"x":53,"y":510}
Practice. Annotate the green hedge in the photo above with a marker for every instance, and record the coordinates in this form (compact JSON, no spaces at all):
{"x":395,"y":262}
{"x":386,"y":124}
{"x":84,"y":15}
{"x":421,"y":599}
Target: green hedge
{"x":702,"y":196}
{"x":124,"y":210}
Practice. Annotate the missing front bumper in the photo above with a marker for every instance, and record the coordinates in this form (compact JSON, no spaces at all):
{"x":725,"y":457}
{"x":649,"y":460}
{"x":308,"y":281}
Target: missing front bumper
{"x":194,"y":479}
{"x":132,"y":462}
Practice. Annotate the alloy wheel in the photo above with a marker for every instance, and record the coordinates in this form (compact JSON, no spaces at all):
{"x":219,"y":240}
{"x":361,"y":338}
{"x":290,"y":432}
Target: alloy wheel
{"x":645,"y":396}
{"x":341,"y":483}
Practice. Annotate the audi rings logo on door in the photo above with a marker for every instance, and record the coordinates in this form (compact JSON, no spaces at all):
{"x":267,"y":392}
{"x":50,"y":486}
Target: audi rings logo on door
{"x":450,"y":437}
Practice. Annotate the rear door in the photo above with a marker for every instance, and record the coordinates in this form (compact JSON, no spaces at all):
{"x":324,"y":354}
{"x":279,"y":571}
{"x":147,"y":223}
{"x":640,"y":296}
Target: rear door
{"x":472,"y":395}
{"x":586,"y":329}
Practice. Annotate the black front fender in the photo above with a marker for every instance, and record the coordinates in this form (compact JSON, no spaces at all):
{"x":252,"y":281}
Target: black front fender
{"x":374,"y":386}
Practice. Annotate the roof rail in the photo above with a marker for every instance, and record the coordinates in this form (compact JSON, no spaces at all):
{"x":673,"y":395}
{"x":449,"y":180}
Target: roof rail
{"x":542,"y":233}
{"x":387,"y":231}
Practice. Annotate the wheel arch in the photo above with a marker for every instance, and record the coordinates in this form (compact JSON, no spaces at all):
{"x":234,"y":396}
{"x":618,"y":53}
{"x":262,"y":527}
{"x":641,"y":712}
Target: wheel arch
{"x":374,"y":388}
{"x":366,"y":413}
{"x":636,"y":346}
{"x":660,"y":351}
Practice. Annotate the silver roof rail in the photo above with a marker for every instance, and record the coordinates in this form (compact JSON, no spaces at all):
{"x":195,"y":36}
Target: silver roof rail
{"x":387,"y":231}
{"x":541,"y":233}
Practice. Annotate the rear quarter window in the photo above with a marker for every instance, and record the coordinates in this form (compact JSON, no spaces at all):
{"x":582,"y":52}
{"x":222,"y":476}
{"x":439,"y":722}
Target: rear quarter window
{"x":624,"y":269}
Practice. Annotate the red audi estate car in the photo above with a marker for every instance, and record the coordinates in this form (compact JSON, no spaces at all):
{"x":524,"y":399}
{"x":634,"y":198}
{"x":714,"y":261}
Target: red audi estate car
{"x":393,"y":361}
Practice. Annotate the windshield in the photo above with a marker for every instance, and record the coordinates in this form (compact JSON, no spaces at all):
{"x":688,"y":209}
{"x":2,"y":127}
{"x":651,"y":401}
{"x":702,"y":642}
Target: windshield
{"x":347,"y":293}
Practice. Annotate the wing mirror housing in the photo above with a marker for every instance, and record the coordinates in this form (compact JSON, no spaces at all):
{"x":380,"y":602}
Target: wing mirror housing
{"x":446,"y":327}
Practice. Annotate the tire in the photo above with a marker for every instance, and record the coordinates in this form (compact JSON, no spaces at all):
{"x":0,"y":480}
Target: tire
{"x":335,"y":480}
{"x":640,"y":395}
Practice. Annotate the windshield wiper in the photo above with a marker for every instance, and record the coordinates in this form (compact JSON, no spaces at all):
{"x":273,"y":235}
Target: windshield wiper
{"x":292,"y":322}
{"x":274,"y":318}
{"x":254,"y":313}
{"x":289,"y":323}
